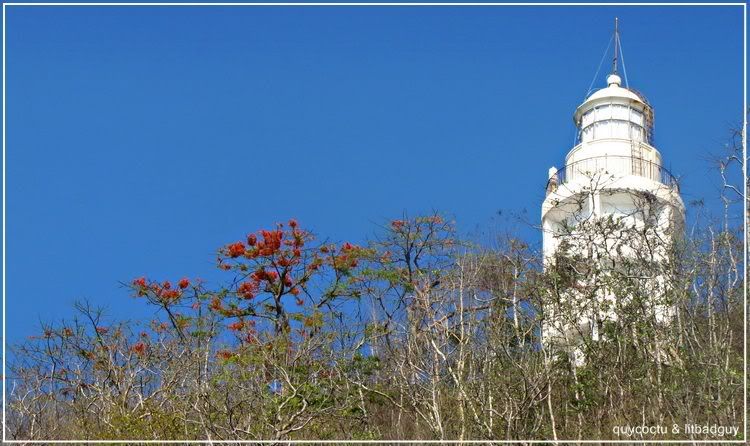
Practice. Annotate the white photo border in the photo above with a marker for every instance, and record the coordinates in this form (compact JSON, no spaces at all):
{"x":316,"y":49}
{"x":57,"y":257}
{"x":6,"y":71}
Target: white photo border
{"x":395,"y":4}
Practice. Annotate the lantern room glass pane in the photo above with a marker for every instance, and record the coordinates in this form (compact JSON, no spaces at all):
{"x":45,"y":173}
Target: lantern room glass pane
{"x":620,"y":112}
{"x":636,"y":117}
{"x":636,"y":133}
{"x":587,"y":118}
{"x":620,"y":129}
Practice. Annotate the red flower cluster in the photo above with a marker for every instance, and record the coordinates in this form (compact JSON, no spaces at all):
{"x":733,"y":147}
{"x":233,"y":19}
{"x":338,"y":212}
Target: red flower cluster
{"x":170,"y":294}
{"x":236,"y":250}
{"x":252,"y":239}
{"x":139,"y":348}
{"x":287,"y":280}
{"x":216,"y":305}
{"x":102,"y":330}
{"x":224,"y":354}
{"x":347,"y":258}
{"x":165,"y":291}
{"x":162,"y":291}
{"x":236,"y":326}
{"x":247,"y":290}
{"x":289,"y":258}
{"x":261,"y":275}
{"x":267,"y":243}
{"x":184,"y":283}
{"x":270,"y":244}
{"x":397,"y":224}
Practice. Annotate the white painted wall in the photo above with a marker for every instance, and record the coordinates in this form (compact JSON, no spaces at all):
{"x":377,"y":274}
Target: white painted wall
{"x":606,"y":175}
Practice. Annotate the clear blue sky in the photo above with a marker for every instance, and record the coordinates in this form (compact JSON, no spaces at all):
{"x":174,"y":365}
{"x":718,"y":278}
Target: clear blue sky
{"x":140,"y":139}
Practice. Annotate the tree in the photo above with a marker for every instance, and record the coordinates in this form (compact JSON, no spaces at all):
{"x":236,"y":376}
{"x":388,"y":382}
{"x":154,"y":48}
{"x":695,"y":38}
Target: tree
{"x":417,"y":334}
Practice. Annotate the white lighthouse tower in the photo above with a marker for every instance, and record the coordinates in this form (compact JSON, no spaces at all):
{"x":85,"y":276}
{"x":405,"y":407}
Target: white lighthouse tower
{"x":614,"y":174}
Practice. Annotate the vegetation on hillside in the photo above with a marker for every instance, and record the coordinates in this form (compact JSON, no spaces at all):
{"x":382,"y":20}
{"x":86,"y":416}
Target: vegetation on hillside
{"x":417,"y":334}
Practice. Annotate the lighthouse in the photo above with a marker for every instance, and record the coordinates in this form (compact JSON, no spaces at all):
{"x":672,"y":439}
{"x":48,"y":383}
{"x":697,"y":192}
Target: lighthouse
{"x":610,"y":203}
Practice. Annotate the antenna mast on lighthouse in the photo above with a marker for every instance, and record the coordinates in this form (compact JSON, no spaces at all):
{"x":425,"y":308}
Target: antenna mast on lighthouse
{"x":617,"y":44}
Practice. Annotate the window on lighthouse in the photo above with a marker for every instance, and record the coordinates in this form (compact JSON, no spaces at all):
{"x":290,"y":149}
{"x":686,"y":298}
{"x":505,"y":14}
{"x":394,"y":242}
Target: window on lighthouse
{"x":612,"y":121}
{"x":620,"y":112}
{"x":636,"y":133}
{"x":620,"y":129}
{"x":636,"y":117}
{"x":612,"y":128}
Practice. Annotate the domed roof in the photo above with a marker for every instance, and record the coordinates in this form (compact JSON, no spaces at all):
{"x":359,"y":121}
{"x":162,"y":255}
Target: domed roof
{"x":612,"y":91}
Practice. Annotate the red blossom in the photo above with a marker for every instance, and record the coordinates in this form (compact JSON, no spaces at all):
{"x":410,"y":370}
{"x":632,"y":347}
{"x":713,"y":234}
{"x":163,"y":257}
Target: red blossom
{"x":397,"y":224}
{"x":184,"y":283}
{"x":294,"y":291}
{"x":224,"y":354}
{"x":168,"y":294}
{"x":236,"y":326}
{"x":102,"y":330}
{"x":236,"y":249}
{"x":215,"y":305}
{"x":247,"y":290}
{"x":166,"y":285}
{"x":139,"y":348}
{"x":140,"y":282}
{"x":271,"y":242}
{"x":258,"y":276}
{"x":292,"y":223}
{"x":252,"y":239}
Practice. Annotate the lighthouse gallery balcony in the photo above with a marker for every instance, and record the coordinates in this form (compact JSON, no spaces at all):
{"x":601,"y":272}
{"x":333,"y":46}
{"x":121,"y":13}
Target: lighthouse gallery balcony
{"x":613,"y":165}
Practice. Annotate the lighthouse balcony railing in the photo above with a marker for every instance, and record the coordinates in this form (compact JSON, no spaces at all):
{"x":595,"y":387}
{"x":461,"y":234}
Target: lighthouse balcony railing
{"x":612,"y":166}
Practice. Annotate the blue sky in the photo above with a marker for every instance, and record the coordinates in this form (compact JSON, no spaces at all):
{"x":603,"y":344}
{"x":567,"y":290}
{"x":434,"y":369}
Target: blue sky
{"x":140,"y":139}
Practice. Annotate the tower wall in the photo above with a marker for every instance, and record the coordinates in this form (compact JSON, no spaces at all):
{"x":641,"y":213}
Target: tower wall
{"x":612,"y":178}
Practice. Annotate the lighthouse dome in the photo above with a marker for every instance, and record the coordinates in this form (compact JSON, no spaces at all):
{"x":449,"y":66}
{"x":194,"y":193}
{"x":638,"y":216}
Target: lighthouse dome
{"x":613,"y":93}
{"x":614,"y":90}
